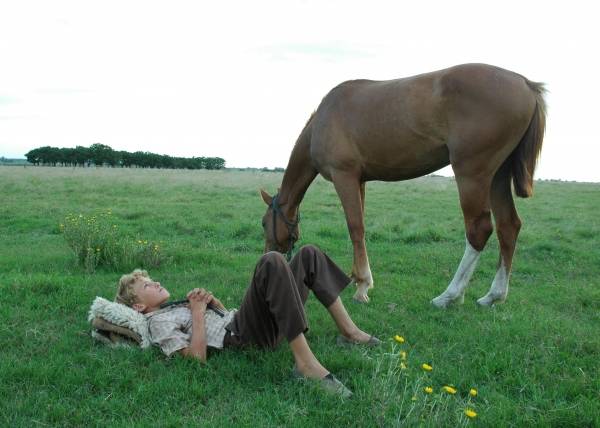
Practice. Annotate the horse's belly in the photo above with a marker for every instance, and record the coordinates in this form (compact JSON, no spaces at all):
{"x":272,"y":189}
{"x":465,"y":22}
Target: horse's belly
{"x":405,"y":163}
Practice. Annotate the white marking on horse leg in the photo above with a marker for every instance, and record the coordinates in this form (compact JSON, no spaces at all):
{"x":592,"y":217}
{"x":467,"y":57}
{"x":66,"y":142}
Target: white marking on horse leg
{"x":363,"y":285}
{"x":455,"y":293}
{"x":498,"y":290}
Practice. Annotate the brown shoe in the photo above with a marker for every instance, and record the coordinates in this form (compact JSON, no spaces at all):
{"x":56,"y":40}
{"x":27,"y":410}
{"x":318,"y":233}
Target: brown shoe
{"x":329,"y":383}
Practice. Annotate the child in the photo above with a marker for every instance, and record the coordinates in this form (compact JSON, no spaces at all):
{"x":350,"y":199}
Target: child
{"x":273,"y":308}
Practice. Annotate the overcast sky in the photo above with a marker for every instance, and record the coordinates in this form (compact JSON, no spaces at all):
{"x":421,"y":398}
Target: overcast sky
{"x":238,"y":80}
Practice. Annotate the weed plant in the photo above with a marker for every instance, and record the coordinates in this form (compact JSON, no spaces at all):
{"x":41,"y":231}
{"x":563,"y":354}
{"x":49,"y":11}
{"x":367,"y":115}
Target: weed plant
{"x":95,"y":241}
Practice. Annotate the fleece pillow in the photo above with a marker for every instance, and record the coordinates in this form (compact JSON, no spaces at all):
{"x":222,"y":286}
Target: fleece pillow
{"x":115,"y":324}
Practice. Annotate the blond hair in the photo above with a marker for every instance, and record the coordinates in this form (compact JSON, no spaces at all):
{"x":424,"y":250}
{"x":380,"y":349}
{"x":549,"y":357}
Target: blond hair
{"x":125,"y":293}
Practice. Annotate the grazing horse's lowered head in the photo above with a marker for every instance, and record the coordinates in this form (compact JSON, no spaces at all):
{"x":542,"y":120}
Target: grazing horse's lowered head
{"x":281,"y":227}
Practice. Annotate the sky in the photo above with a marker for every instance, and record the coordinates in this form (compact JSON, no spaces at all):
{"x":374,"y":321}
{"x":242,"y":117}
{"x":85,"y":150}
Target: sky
{"x":239,"y":79}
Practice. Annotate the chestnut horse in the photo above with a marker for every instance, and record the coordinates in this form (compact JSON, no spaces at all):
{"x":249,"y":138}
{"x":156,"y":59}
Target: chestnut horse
{"x":488,"y":123}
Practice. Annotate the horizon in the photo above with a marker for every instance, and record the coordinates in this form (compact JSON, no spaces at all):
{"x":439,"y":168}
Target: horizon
{"x":279,"y":169}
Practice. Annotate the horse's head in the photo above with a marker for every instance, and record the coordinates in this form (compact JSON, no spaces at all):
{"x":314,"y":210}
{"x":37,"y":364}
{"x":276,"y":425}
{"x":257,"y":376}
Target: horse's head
{"x":281,"y":233}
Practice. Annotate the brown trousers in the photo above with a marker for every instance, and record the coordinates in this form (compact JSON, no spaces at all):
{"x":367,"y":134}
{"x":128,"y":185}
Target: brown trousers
{"x":273,"y":306}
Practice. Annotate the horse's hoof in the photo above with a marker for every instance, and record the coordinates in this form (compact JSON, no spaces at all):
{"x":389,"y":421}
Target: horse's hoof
{"x":490,"y":300}
{"x":362,"y":290}
{"x":442,"y":301}
{"x":360,"y":298}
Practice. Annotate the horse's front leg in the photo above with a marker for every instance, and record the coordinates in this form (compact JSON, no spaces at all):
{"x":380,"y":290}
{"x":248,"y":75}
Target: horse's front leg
{"x":348,"y":188}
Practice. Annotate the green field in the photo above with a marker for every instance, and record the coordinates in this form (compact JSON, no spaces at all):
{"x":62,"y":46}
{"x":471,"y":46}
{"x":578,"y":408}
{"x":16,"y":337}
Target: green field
{"x":533,"y":360}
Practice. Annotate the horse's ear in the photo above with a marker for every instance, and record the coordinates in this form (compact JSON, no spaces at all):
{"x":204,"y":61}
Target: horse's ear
{"x":265,"y":196}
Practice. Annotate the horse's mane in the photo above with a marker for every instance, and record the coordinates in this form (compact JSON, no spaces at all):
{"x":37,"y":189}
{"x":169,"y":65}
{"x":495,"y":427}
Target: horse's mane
{"x":302,"y":134}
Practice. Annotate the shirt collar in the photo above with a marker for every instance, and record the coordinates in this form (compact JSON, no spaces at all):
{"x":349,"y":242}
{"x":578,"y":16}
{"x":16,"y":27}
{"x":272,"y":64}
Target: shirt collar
{"x":162,"y":311}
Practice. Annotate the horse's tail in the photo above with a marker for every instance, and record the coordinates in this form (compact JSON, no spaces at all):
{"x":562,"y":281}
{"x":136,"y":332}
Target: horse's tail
{"x":524,"y":158}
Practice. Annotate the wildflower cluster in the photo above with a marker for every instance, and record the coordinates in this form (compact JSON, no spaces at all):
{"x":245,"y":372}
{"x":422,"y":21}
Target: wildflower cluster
{"x":424,"y":383}
{"x":97,"y":241}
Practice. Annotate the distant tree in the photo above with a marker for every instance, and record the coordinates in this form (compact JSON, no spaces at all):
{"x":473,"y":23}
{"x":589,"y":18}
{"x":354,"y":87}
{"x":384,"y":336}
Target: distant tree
{"x":33,"y":156}
{"x":214,"y":163}
{"x":101,"y":154}
{"x":125,"y":159}
{"x":48,"y":155}
{"x":82,"y":156}
{"x":67,"y":156}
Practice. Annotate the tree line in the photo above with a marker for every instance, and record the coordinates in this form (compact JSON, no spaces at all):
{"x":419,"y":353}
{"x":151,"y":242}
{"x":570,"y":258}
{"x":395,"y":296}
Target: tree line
{"x":103,"y":155}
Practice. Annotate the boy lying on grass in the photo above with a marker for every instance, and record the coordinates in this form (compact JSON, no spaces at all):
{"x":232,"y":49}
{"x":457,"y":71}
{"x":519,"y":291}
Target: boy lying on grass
{"x":273,"y":308}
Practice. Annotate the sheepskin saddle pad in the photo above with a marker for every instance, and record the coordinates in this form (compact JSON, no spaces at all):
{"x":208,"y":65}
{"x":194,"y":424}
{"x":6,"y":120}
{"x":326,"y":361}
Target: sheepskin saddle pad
{"x":118,"y":325}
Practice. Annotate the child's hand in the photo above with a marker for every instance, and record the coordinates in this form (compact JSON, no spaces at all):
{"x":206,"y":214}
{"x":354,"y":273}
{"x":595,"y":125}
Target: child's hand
{"x":199,"y":298}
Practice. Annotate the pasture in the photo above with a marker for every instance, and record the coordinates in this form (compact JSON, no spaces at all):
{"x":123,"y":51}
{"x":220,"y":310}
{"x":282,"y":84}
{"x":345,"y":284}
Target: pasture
{"x":533,"y":360}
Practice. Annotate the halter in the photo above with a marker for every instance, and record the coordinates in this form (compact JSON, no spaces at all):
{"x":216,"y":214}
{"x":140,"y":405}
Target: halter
{"x":291,"y":225}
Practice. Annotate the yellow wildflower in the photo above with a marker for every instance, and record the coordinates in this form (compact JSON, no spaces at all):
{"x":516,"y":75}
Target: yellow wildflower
{"x":426,"y":367}
{"x":402,"y":366}
{"x":428,"y":389}
{"x":473,"y":392}
{"x":98,"y":249}
{"x":414,"y":398}
{"x":470,"y":413}
{"x":399,"y":339}
{"x":145,"y":242}
{"x":403,"y":355}
{"x":449,"y":389}
{"x":139,"y":242}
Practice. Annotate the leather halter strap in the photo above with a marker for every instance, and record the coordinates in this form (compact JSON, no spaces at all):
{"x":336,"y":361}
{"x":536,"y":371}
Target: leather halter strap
{"x":291,"y":225}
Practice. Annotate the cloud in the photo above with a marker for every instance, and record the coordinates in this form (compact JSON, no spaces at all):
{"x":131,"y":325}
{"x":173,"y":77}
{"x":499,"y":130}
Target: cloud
{"x":7,"y":99}
{"x":61,"y":91}
{"x":19,"y":117}
{"x":326,"y":51}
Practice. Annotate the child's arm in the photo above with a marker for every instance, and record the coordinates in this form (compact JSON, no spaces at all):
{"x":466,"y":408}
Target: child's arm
{"x":217,"y":303}
{"x":198,"y":298}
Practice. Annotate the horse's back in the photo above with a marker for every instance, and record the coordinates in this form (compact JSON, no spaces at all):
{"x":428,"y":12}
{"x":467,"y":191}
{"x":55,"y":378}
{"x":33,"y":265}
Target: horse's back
{"x":375,"y":128}
{"x":404,"y":128}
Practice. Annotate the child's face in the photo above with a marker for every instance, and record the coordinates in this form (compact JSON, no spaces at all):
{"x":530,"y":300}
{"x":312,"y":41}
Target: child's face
{"x":150,"y":294}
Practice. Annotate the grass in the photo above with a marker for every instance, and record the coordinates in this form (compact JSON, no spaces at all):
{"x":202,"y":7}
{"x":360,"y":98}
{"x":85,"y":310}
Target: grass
{"x":533,"y":360}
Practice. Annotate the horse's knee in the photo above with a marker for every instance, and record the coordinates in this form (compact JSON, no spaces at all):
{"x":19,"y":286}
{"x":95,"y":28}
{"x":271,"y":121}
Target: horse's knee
{"x":479,"y":231}
{"x":517,"y":223}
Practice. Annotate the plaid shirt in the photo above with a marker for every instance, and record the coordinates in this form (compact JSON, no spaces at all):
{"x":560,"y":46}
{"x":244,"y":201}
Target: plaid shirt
{"x":171,"y":328}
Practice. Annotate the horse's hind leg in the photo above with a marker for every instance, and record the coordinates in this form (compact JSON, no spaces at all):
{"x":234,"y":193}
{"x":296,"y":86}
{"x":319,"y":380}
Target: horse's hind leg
{"x":508,"y":225}
{"x":474,"y":201}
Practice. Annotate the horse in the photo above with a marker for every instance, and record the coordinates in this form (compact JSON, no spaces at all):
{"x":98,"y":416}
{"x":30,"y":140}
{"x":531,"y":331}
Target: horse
{"x":488,"y":123}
